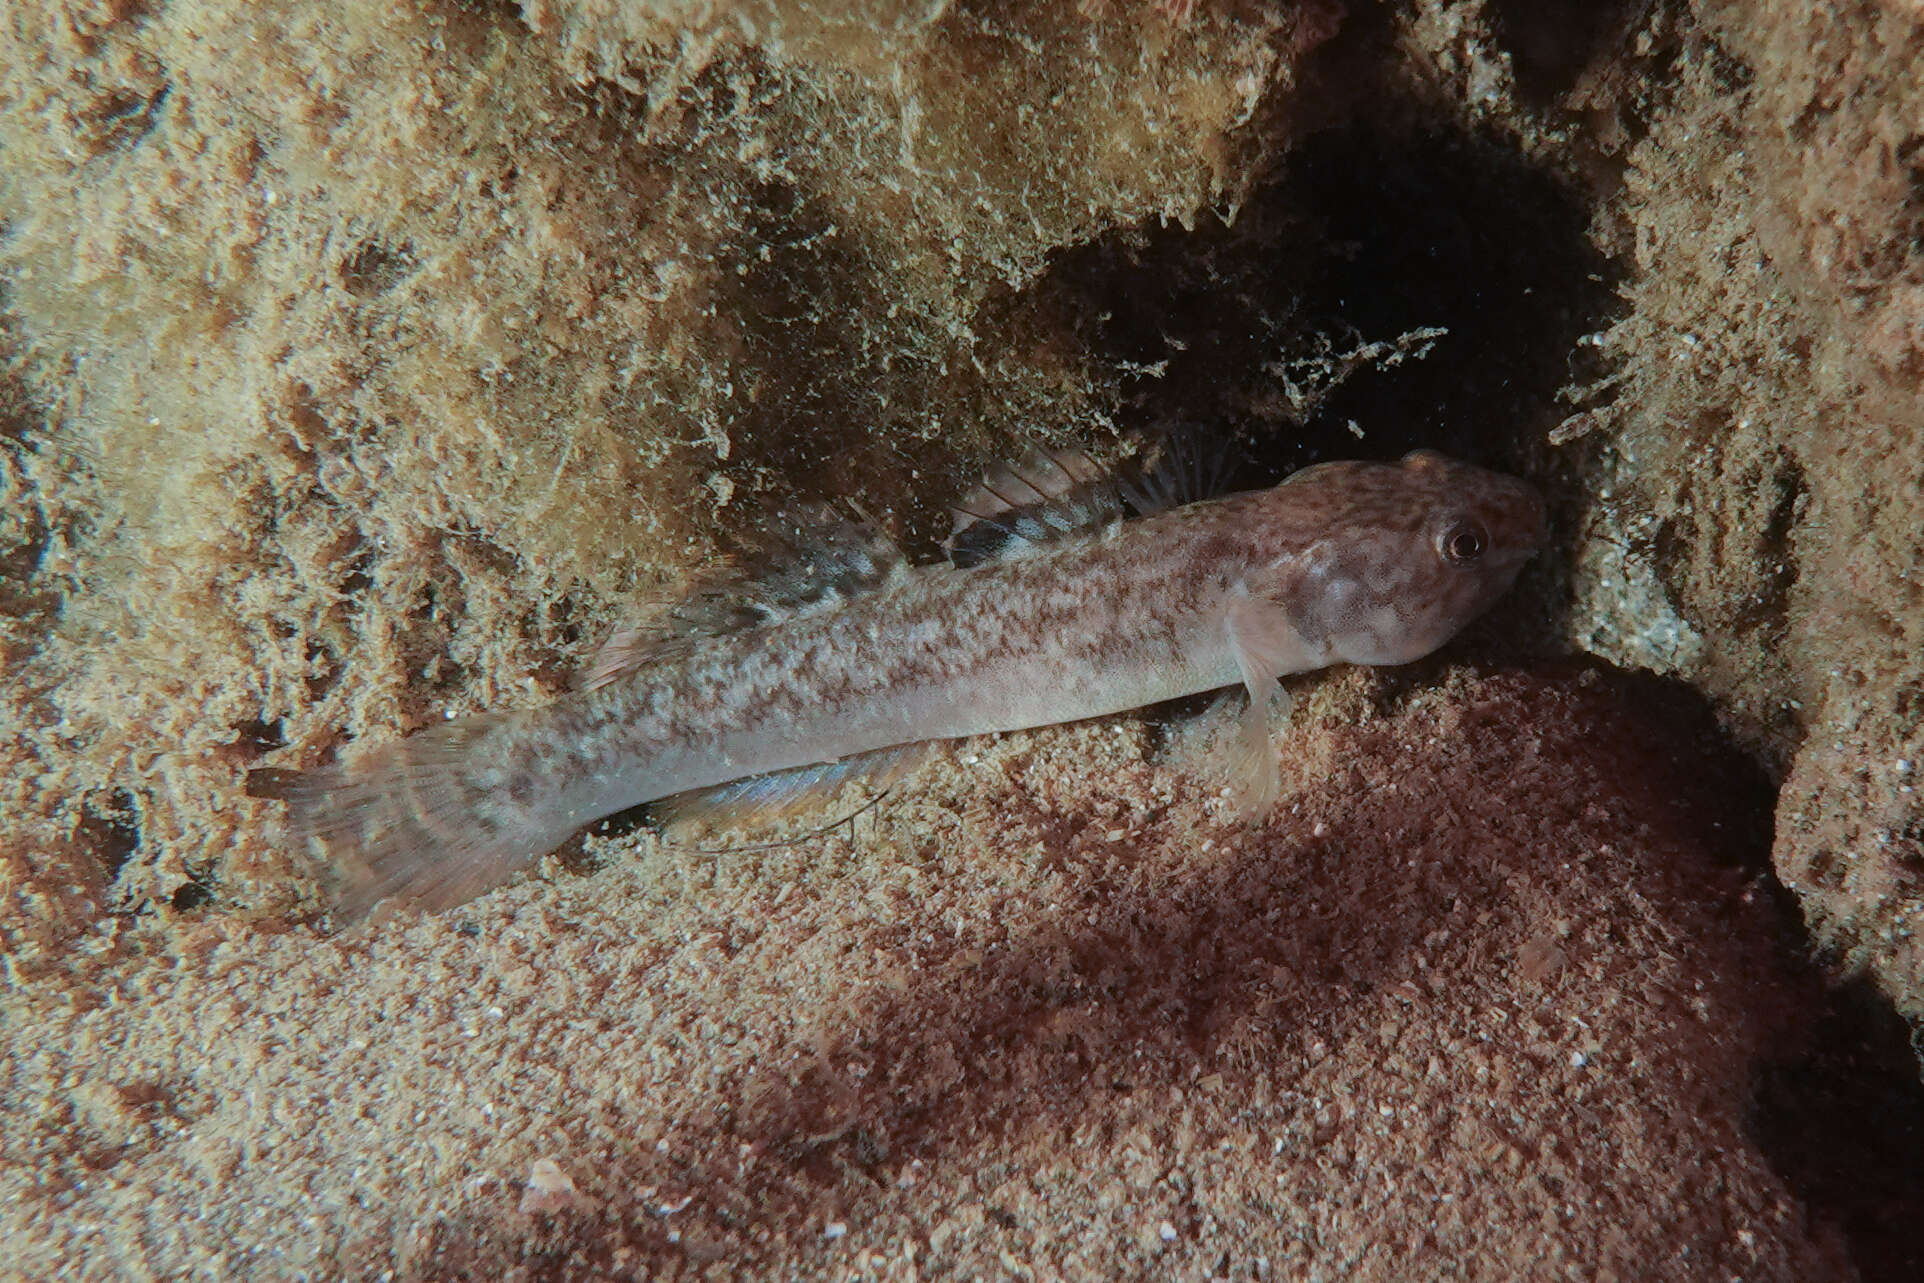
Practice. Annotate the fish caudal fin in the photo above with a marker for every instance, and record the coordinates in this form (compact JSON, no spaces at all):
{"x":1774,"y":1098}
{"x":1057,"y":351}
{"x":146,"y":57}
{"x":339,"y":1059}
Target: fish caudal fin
{"x":428,"y":821}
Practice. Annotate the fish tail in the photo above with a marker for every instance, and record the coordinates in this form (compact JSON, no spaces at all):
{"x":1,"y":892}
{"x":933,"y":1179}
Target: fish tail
{"x":431,"y":820}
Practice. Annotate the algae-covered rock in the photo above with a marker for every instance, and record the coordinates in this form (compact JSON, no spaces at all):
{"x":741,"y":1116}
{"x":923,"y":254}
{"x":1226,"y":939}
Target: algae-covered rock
{"x":383,"y":349}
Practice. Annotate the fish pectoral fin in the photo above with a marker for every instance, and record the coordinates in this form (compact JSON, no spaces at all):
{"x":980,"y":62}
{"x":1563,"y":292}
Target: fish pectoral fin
{"x":763,"y":800}
{"x":1265,"y":646}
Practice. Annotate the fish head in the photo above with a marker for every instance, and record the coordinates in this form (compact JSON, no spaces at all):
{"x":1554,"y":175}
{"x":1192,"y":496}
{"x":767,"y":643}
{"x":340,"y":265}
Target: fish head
{"x":1409,"y":554}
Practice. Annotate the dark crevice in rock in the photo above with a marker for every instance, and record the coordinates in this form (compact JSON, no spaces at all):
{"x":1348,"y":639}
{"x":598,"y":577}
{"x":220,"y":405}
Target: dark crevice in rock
{"x":1842,"y":1121}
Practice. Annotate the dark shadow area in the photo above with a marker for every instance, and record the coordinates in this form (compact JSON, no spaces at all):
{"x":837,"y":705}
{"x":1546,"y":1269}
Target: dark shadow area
{"x":190,"y":895}
{"x":1373,"y":232}
{"x":374,"y":267}
{"x":1687,"y":743}
{"x":1552,"y":42}
{"x":1839,"y":1112}
{"x":24,"y":531}
{"x":255,"y":738}
{"x":1842,"y":1121}
{"x":1455,"y":232}
{"x":835,"y":397}
{"x":109,"y":830}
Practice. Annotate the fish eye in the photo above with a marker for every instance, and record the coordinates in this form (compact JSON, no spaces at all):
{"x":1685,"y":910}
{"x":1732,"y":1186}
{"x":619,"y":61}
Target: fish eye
{"x":1463,"y":542}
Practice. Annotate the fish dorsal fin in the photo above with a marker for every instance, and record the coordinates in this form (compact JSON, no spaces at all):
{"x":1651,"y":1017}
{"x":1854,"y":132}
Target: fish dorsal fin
{"x":1020,"y":507}
{"x":816,"y":557}
{"x":1051,"y":494}
{"x":810,"y":558}
{"x":764,"y":800}
{"x":1180,"y":466}
{"x":635,"y":646}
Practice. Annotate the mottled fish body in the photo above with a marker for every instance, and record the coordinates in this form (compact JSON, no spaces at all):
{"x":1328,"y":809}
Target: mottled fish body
{"x":1344,"y":562}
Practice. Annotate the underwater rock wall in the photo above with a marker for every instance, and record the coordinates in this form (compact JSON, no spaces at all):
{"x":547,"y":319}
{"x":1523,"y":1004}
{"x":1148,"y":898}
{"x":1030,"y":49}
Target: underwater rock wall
{"x":382,"y":350}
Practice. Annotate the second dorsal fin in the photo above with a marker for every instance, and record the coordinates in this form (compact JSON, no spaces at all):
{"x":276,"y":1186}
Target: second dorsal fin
{"x":634,"y":646}
{"x":810,"y":558}
{"x":816,"y":557}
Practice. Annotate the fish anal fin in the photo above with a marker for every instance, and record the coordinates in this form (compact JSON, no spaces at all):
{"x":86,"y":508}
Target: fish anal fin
{"x":762,"y":801}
